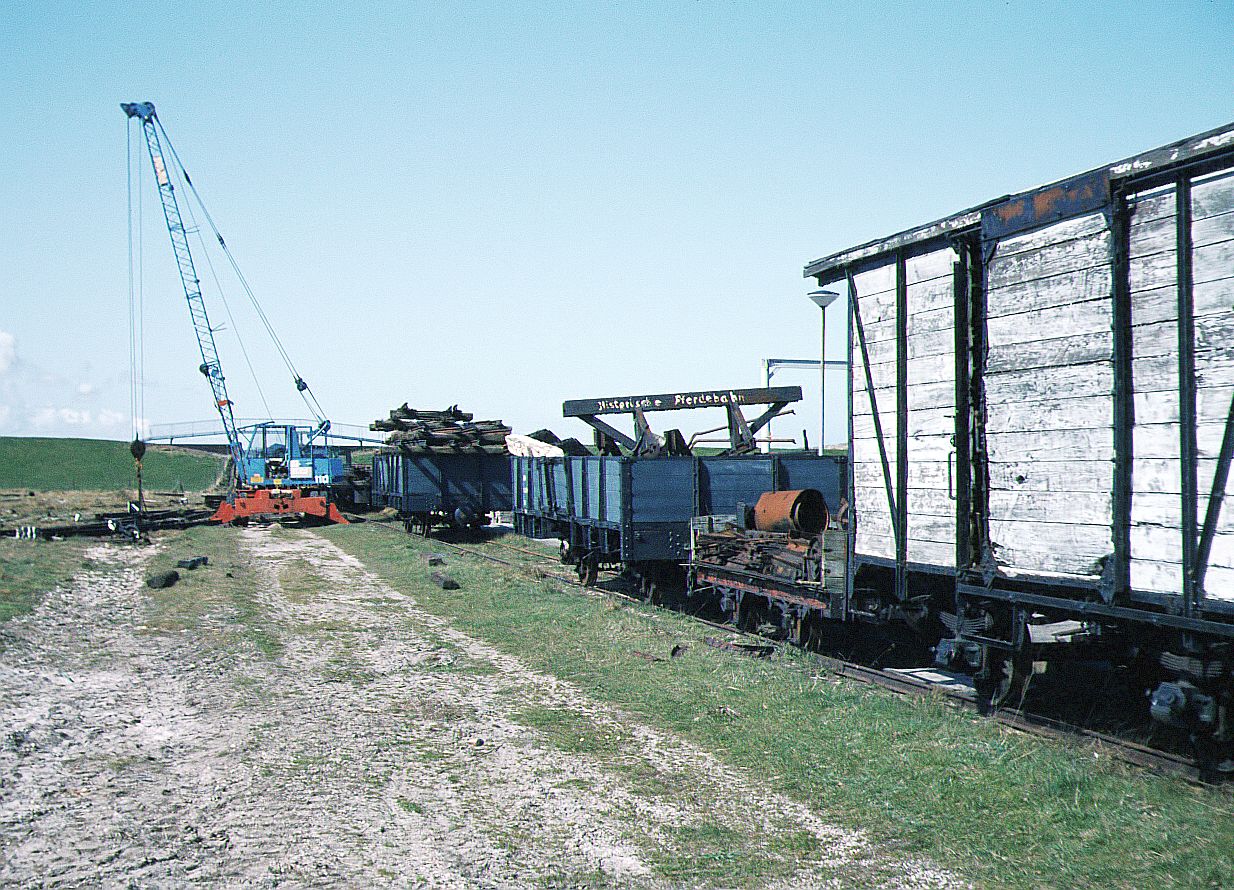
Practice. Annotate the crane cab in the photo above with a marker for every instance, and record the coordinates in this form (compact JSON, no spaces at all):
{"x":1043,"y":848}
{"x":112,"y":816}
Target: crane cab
{"x":281,"y":455}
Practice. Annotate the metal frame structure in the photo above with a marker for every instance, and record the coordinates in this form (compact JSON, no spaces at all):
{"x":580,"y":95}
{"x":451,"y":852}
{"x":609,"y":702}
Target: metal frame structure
{"x":645,"y":443}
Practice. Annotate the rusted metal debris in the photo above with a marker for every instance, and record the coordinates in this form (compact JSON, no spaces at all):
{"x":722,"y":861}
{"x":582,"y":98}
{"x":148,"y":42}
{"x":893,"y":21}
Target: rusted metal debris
{"x":435,"y":559}
{"x":754,"y":650}
{"x":801,"y":512}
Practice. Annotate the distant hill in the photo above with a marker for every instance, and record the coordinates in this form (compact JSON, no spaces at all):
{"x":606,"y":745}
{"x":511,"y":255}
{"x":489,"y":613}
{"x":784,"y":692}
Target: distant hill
{"x":101,"y":465}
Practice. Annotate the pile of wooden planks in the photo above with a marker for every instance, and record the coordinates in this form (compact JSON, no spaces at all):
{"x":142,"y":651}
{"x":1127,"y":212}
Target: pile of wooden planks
{"x":445,"y":431}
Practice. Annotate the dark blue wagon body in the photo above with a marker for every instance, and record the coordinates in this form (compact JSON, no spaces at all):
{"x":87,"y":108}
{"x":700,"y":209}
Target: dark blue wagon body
{"x":430,"y":485}
{"x":639,"y":510}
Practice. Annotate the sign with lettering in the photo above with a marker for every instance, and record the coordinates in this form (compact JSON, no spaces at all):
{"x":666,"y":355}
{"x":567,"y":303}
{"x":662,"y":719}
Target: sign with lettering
{"x":711,"y":398}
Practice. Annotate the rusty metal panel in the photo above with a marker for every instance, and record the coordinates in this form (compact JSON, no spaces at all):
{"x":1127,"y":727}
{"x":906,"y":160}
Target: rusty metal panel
{"x":1032,"y":210}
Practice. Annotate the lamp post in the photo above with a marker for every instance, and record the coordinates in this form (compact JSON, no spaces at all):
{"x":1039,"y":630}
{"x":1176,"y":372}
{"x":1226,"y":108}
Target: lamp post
{"x":822,"y":299}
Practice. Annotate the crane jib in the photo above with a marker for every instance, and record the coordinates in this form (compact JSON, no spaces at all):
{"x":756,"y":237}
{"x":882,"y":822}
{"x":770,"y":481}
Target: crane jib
{"x":211,"y":367}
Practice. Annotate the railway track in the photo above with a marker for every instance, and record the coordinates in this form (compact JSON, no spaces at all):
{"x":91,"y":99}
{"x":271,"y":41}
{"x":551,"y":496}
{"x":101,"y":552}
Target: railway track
{"x":1126,"y":750}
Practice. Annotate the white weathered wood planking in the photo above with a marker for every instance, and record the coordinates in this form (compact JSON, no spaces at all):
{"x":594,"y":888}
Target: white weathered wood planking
{"x":1152,"y":204}
{"x":1151,"y":508}
{"x":1069,"y":255}
{"x":931,"y":553}
{"x":1046,"y":475}
{"x":1165,"y":577}
{"x":1145,"y":238}
{"x":922,"y":527}
{"x":1212,"y":197}
{"x":1067,"y":507}
{"x":1060,"y":233}
{"x":1155,"y":543}
{"x":1073,"y":350}
{"x":931,"y":395}
{"x":926,"y":296}
{"x":1088,"y":317}
{"x":1213,"y":369}
{"x":924,"y":321}
{"x":1095,"y":444}
{"x":1051,"y":291}
{"x":1050,"y":501}
{"x":1051,"y":546}
{"x":923,"y":421}
{"x":1164,"y":475}
{"x":936,"y":264}
{"x":878,"y":331}
{"x":1212,"y":262}
{"x":1065,"y":382}
{"x":1161,"y":440}
{"x":1052,"y":414}
{"x":935,"y":447}
{"x":1212,"y":406}
{"x":872,"y":543}
{"x":1152,"y":271}
{"x":876,"y":279}
{"x":1215,"y":229}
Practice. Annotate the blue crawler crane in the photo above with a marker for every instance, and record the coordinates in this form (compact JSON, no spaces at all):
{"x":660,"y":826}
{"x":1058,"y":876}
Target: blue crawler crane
{"x":278,"y":469}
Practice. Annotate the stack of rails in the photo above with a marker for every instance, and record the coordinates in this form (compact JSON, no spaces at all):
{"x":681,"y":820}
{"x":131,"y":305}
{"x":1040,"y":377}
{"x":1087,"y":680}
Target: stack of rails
{"x":442,"y":432}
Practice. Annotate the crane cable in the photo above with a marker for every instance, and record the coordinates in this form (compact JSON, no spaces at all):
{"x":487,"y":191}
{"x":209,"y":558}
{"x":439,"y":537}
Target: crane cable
{"x":137,"y":379}
{"x":307,"y":394}
{"x":137,"y":355}
{"x":188,"y":206}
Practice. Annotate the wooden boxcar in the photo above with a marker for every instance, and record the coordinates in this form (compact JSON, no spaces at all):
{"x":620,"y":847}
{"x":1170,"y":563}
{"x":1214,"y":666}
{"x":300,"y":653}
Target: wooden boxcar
{"x":1040,"y":397}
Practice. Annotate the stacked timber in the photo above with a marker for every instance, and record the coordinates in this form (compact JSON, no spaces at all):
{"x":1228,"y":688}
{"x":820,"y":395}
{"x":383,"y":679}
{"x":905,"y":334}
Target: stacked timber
{"x":443,"y":432}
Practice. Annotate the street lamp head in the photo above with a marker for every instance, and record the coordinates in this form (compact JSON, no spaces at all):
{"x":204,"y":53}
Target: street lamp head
{"x":823,"y":298}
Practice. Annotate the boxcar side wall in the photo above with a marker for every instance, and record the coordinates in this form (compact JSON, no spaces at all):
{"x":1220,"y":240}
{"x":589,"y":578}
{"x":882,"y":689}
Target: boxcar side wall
{"x":1181,"y":314}
{"x":1049,"y":389}
{"x":904,"y":369}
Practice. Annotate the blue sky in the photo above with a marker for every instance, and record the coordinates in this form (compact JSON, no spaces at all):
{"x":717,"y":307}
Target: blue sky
{"x":508,"y":205}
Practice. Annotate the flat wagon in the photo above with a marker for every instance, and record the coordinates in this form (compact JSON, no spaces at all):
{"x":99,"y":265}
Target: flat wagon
{"x":460,"y":489}
{"x":1041,"y":425}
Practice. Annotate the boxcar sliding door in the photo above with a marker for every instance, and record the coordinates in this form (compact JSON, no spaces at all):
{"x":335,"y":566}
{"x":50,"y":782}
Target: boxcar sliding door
{"x":1049,"y":392}
{"x":904,"y":411}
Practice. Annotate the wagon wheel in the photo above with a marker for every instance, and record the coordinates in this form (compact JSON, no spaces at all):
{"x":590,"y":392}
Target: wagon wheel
{"x":588,"y":569}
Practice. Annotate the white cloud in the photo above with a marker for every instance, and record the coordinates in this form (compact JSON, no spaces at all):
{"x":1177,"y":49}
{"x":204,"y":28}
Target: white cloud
{"x":8,"y":351}
{"x":85,"y":389}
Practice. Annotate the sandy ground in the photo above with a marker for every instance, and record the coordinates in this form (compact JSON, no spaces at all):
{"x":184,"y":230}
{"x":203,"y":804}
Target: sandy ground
{"x":377,"y":746}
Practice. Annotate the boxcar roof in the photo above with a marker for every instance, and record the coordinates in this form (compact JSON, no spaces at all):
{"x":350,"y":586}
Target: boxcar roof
{"x":1158,"y":160}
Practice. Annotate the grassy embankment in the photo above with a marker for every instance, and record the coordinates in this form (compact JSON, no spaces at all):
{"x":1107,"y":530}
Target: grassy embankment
{"x":99,"y":465}
{"x":28,"y":569}
{"x":1003,"y":808}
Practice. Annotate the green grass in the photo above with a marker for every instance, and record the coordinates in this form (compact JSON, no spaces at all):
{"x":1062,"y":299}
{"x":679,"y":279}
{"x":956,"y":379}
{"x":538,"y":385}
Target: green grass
{"x":1003,"y":808}
{"x":100,"y":465}
{"x":30,"y":569}
{"x":218,"y":601}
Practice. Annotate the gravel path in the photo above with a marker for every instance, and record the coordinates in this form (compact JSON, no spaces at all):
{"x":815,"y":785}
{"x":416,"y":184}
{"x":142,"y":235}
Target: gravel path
{"x":330,"y":733}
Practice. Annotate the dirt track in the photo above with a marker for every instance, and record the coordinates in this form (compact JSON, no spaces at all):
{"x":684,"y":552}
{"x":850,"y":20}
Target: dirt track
{"x":373,"y":745}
